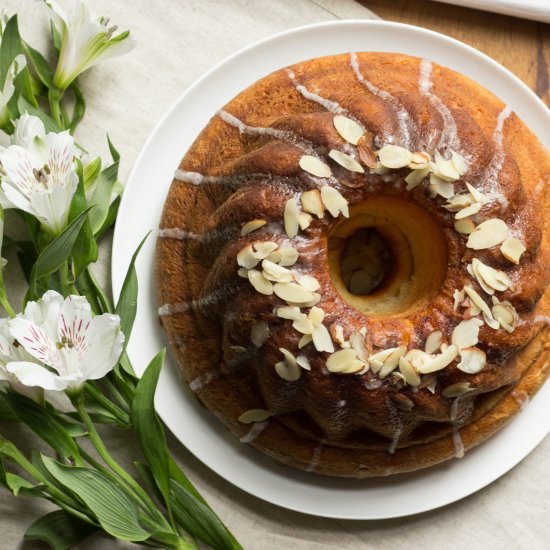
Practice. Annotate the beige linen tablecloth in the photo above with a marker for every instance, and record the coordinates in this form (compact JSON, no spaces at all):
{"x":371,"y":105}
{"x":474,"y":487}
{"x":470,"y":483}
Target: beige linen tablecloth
{"x":177,"y":41}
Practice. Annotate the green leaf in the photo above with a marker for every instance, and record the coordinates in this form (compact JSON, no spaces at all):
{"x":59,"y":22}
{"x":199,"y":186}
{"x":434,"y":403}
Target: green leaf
{"x":79,"y":108}
{"x":101,"y":197}
{"x":84,"y":250}
{"x":126,"y":307}
{"x":114,"y":153}
{"x":6,"y":412}
{"x":49,"y":124}
{"x":58,"y":251}
{"x":110,"y":220}
{"x":45,"y":424}
{"x":56,"y":37}
{"x":10,"y":47}
{"x":91,"y":172}
{"x":17,"y":484}
{"x":199,"y":520}
{"x":59,"y":530}
{"x":149,"y":430}
{"x":40,"y":65}
{"x":88,"y":284}
{"x":114,"y":509}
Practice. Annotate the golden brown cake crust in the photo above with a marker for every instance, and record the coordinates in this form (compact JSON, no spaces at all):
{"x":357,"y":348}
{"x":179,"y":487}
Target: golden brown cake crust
{"x":324,"y":422}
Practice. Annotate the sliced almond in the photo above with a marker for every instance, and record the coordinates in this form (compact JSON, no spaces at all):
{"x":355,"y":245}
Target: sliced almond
{"x":289,"y":312}
{"x":402,"y":402}
{"x":305,"y":340}
{"x":334,"y":202}
{"x":303,"y":362}
{"x":291,"y":218}
{"x":456,"y":390}
{"x":339,"y":335}
{"x":290,"y":360}
{"x":464,"y":226}
{"x":441,"y":187}
{"x":292,"y":292}
{"x":357,"y":341}
{"x":242,"y":272}
{"x":460,"y":163}
{"x":309,"y":282}
{"x":433,"y":342}
{"x":477,"y":195}
{"x":495,"y":278}
{"x":506,"y":315}
{"x":479,"y":302}
{"x":247,"y":258}
{"x":474,"y":272}
{"x":303,"y":325}
{"x":284,"y":256}
{"x":447,"y":171}
{"x":420,"y":161}
{"x":472,"y":360}
{"x":254,"y":415}
{"x":466,"y":333}
{"x":440,"y":361}
{"x":252,"y":225}
{"x":393,"y":156}
{"x":304,"y":220}
{"x":392,"y":360}
{"x":259,"y":333}
{"x":260,"y":283}
{"x":339,"y":360}
{"x":346,"y":161}
{"x":350,"y":130}
{"x":313,"y":302}
{"x":409,"y":372}
{"x":276,"y":273}
{"x":315,"y":166}
{"x":487,"y":234}
{"x":458,"y":202}
{"x":468,"y":211}
{"x":512,"y":249}
{"x":365,"y":149}
{"x":312,"y":203}
{"x":288,"y":373}
{"x":316,"y":316}
{"x":263,"y":249}
{"x":416,"y":177}
{"x":322,"y":340}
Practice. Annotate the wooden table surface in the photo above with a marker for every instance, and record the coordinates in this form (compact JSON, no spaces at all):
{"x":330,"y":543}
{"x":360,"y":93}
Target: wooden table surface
{"x":520,"y":45}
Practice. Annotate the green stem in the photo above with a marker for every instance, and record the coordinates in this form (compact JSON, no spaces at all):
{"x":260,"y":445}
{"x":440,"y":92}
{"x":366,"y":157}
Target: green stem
{"x":54,"y":99}
{"x":5,"y":303}
{"x":143,"y":498}
{"x":122,"y":403}
{"x":108,"y":404}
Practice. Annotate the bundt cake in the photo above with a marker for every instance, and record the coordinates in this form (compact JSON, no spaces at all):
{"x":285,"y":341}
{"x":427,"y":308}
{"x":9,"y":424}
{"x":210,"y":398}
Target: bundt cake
{"x":352,"y":263}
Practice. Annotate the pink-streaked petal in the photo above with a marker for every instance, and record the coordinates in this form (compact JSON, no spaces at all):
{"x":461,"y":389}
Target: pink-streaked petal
{"x":74,"y":323}
{"x":104,"y":348}
{"x":32,"y":374}
{"x":45,"y":312}
{"x":52,"y":207}
{"x":19,"y":164}
{"x":61,"y":153}
{"x":36,"y":342}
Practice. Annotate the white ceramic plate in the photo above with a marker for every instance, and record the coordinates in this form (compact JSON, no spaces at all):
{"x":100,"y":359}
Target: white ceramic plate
{"x":140,"y":211}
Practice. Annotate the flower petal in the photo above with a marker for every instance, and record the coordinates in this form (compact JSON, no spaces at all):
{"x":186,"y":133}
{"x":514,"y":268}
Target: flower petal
{"x":36,"y":342}
{"x":105,"y":346}
{"x":32,"y":374}
{"x":27,"y":127}
{"x":73,"y":323}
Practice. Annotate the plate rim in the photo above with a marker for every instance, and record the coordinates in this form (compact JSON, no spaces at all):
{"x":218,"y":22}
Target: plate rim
{"x":117,"y":275}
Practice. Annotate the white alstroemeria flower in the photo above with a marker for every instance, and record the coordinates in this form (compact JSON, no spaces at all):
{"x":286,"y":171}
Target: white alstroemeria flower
{"x":39,"y":173}
{"x":66,"y":344}
{"x":86,"y":40}
{"x":9,"y":352}
{"x":8,"y":88}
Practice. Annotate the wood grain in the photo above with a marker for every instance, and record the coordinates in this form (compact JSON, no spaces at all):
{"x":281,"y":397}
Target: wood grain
{"x":521,"y":46}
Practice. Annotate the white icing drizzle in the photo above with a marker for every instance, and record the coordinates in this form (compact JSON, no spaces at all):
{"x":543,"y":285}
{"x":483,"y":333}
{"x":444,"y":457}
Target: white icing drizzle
{"x":315,"y":458}
{"x":521,"y":397}
{"x":397,"y":426}
{"x":542,"y":319}
{"x":195,"y":178}
{"x":457,"y":442}
{"x":177,"y":234}
{"x":255,"y":431}
{"x":448,"y":139}
{"x":253,"y":130}
{"x":198,"y":383}
{"x":405,"y":123}
{"x":490,"y":177}
{"x":329,"y":105}
{"x":173,"y":309}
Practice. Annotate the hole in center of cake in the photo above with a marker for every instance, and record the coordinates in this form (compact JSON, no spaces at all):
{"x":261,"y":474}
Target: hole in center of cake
{"x":365,"y":261}
{"x":388,"y":258}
